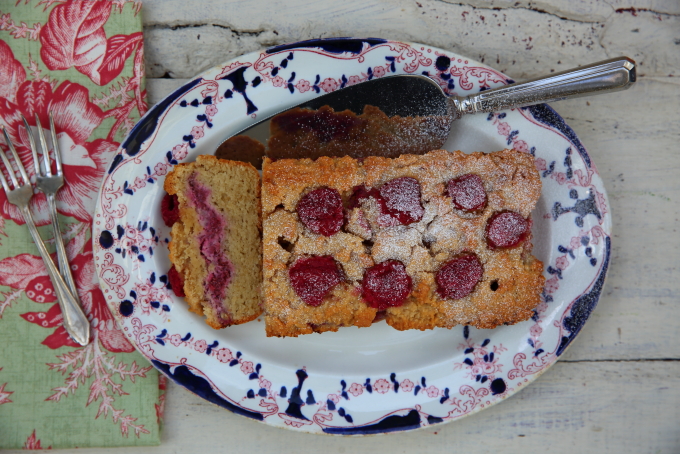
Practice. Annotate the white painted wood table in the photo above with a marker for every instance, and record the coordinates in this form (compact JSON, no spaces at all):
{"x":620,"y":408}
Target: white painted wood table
{"x":617,"y":389}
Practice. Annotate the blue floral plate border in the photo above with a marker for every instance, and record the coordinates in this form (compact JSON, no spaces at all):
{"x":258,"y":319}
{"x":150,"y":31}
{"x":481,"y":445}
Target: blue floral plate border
{"x":353,"y":382}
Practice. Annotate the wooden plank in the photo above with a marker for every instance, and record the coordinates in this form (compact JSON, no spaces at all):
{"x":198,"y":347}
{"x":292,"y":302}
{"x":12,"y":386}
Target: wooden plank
{"x":522,"y":39}
{"x":157,"y":89}
{"x":166,"y":11}
{"x":618,"y":407}
{"x":632,"y":137}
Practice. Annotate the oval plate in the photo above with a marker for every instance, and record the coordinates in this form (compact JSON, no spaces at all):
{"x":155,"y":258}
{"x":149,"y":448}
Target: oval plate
{"x":355,"y":381}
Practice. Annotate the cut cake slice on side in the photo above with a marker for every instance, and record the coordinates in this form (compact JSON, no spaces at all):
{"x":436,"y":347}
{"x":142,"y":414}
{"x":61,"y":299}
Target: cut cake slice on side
{"x":216,"y":243}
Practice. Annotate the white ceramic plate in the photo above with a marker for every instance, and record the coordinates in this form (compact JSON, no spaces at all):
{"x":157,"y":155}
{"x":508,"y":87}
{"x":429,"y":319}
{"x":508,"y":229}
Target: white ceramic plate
{"x":355,"y":381}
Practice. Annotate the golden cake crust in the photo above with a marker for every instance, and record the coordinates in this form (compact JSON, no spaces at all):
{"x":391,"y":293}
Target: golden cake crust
{"x":511,"y":183}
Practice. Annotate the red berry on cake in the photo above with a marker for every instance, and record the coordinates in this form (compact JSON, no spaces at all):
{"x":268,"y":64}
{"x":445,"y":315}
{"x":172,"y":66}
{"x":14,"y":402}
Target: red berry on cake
{"x":170,"y":209}
{"x":321,"y":211}
{"x":176,"y":281}
{"x":506,"y":229}
{"x":457,"y":278}
{"x":467,"y":192}
{"x":360,"y":193}
{"x":313,"y":277}
{"x":386,"y":285}
{"x":402,"y":199}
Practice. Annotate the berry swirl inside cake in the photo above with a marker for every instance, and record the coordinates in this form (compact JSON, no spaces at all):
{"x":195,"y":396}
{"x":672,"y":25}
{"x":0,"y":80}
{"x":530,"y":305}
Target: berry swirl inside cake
{"x":213,"y":206}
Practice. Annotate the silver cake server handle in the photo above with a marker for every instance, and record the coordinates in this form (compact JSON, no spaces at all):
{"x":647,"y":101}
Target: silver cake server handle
{"x":602,"y":77}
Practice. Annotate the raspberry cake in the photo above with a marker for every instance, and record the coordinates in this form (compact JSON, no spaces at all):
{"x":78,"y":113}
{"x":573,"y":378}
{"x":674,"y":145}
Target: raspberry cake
{"x":423,"y":241}
{"x":214,"y":208}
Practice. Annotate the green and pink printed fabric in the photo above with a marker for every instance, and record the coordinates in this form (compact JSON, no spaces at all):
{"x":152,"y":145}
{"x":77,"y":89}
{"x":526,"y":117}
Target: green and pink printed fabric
{"x":83,"y":61}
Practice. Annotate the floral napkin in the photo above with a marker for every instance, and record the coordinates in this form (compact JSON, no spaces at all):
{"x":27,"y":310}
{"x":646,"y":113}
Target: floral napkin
{"x":83,"y":61}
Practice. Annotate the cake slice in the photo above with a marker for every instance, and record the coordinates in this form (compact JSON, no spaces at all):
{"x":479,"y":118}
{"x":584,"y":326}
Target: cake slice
{"x":423,"y":241}
{"x":216,"y":242}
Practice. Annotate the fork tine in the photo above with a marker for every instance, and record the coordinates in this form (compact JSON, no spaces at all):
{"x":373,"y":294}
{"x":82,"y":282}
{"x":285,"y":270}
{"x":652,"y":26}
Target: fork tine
{"x":18,"y":162}
{"x":55,"y":145}
{"x":43,"y":144}
{"x":10,"y":169}
{"x":34,"y":149}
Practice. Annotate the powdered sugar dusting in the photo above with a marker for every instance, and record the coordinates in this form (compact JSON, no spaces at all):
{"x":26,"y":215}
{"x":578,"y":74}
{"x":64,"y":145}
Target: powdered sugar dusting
{"x":506,"y":229}
{"x":386,"y":285}
{"x":402,"y":198}
{"x":357,"y":224}
{"x":312,"y":278}
{"x":467,"y":192}
{"x":457,"y":278}
{"x":321,"y":211}
{"x":395,"y":243}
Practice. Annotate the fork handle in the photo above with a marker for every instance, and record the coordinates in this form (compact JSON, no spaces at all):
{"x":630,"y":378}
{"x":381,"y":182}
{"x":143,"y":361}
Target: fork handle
{"x":62,"y":257}
{"x":75,"y":321}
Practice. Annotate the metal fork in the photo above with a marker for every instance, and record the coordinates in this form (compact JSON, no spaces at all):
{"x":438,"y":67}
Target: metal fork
{"x":20,"y":194}
{"x":49,"y":184}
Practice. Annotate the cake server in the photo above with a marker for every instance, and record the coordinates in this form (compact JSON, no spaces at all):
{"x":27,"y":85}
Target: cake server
{"x":419,"y":95}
